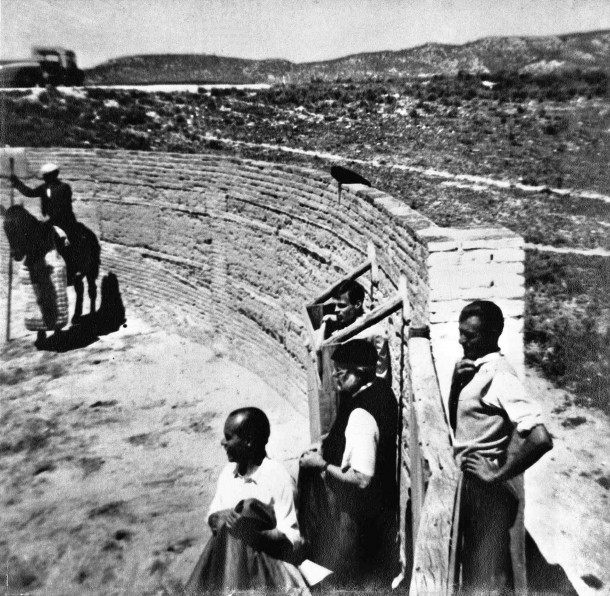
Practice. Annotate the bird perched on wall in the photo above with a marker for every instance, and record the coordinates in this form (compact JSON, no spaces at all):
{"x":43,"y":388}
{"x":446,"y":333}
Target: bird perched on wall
{"x":344,"y":176}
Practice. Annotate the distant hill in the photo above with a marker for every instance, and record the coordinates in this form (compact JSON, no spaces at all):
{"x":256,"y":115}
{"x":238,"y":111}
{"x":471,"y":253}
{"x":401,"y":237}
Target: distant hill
{"x":585,"y":51}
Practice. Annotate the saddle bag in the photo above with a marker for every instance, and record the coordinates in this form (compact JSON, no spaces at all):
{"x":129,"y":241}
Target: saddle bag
{"x":45,"y":286}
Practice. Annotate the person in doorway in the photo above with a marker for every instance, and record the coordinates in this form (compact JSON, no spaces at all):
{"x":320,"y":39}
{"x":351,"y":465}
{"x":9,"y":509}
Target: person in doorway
{"x":252,"y":516}
{"x":349,"y":308}
{"x":348,"y":501}
{"x":499,"y":433}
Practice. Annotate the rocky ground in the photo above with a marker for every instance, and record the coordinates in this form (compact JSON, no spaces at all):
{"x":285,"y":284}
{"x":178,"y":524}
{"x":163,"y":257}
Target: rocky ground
{"x":109,"y":456}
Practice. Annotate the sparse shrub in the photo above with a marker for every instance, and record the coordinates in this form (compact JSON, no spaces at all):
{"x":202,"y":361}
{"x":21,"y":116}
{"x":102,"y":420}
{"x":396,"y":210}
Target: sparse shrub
{"x":134,"y":116}
{"x":135,"y":140}
{"x":564,"y":329}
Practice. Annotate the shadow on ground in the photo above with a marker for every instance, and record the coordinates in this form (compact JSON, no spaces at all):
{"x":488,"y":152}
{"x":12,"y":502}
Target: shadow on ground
{"x":107,"y":319}
{"x":545,"y":577}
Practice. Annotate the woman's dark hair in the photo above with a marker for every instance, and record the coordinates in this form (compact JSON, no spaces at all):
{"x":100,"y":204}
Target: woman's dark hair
{"x":490,"y":315}
{"x":354,"y":291}
{"x":254,"y":426}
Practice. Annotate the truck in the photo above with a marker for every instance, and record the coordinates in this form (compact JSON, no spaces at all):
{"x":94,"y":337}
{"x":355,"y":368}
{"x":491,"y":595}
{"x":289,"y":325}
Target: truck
{"x":47,"y":66}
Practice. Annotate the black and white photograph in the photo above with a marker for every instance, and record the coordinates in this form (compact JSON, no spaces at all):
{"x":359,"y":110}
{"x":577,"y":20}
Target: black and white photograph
{"x":304,"y":297}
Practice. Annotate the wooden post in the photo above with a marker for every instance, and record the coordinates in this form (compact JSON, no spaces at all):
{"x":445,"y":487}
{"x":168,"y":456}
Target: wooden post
{"x":372,"y":256}
{"x":404,"y":324}
{"x":353,"y":274}
{"x":11,"y":162}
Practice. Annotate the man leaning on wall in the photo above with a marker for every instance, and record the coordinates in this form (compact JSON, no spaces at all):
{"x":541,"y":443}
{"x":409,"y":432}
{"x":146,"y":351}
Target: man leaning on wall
{"x":349,"y":308}
{"x":499,"y":433}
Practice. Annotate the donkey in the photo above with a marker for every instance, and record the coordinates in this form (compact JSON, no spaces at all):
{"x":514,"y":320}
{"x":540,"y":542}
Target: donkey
{"x":32,"y":239}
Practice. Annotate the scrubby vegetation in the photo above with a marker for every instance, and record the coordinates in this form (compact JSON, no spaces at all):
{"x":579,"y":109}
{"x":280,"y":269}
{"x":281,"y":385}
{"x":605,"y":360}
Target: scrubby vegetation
{"x":540,"y":130}
{"x":546,"y":130}
{"x":567,"y":323}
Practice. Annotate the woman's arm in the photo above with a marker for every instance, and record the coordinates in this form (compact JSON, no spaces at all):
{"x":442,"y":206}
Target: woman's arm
{"x":274,"y":543}
{"x":217,"y":519}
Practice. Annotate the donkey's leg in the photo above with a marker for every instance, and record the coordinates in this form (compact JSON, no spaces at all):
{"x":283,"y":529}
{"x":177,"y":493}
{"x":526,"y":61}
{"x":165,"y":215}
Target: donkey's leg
{"x":92,"y":291}
{"x":79,"y":289}
{"x":41,"y":338}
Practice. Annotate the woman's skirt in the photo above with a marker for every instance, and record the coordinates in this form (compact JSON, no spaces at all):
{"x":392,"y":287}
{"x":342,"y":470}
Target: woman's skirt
{"x":229,"y":564}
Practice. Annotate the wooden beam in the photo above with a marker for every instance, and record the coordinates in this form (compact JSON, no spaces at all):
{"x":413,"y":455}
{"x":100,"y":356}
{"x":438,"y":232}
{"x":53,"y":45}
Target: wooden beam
{"x":432,"y":560}
{"x":381,"y":312}
{"x":353,"y":274}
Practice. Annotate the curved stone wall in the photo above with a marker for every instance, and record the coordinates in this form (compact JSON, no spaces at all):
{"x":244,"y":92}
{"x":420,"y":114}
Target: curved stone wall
{"x":234,"y":248}
{"x":229,"y":251}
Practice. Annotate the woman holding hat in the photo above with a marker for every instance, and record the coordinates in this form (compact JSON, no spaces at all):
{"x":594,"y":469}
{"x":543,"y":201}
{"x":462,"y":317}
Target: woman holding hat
{"x":252,"y":517}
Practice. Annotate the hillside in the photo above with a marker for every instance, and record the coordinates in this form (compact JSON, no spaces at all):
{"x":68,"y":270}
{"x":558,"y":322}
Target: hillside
{"x":585,"y":51}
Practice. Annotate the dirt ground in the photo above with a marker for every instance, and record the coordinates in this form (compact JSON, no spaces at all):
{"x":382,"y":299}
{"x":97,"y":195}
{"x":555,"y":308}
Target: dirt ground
{"x":109,"y":456}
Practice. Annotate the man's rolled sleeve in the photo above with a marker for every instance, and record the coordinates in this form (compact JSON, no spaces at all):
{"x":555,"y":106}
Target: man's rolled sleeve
{"x":507,"y":392}
{"x":285,"y":511}
{"x":361,"y":440}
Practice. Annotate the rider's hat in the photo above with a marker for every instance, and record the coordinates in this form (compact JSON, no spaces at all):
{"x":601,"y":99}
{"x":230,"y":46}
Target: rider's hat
{"x":49,"y":168}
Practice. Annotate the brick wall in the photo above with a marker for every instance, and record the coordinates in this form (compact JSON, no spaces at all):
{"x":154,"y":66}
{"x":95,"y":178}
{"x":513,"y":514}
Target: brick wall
{"x":232,"y":249}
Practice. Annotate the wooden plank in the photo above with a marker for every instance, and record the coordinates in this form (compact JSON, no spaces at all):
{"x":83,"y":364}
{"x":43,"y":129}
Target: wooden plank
{"x":315,"y":312}
{"x":431,"y":564}
{"x":313,"y":399}
{"x":371,"y":318}
{"x":372,"y":256}
{"x":353,"y":274}
{"x":328,"y":392}
{"x":313,"y":379}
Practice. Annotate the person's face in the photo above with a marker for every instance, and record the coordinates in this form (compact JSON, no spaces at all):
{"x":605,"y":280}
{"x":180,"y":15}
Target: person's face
{"x":237,"y":448}
{"x":345,"y":311}
{"x":347,"y":378}
{"x":474,"y":339}
{"x":48,"y":178}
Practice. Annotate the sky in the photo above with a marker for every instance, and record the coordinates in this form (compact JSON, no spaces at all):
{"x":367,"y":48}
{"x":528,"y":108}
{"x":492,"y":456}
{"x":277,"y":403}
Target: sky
{"x":296,"y":30}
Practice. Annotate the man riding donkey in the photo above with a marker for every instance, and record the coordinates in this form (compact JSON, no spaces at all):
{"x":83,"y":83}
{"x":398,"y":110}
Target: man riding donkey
{"x":55,"y":204}
{"x":33,"y":239}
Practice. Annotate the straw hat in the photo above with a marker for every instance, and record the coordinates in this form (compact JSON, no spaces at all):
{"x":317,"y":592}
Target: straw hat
{"x":49,"y":168}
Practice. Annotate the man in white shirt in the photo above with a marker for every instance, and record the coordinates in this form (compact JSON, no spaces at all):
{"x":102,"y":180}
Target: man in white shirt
{"x":499,"y":433}
{"x":252,"y":517}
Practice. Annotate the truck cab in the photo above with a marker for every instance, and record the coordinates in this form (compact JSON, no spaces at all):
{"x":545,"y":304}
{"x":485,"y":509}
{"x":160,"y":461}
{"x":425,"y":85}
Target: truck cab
{"x":58,"y":66}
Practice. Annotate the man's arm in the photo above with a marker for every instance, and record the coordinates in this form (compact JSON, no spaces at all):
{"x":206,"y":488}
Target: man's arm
{"x":22,"y":188}
{"x":313,"y":459}
{"x":361,"y":440}
{"x":523,"y":451}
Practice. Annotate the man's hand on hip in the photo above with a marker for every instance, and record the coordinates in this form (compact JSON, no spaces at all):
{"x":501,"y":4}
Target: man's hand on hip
{"x":481,"y":467}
